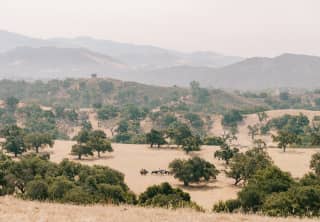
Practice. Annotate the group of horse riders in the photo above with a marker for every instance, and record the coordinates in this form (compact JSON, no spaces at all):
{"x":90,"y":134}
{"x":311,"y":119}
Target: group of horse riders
{"x":155,"y":172}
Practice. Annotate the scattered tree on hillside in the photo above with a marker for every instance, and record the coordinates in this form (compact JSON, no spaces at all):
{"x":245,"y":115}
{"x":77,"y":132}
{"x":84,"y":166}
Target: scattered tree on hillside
{"x":155,"y":137}
{"x":225,"y":153}
{"x":178,"y":132}
{"x":90,"y":141}
{"x":253,"y":131}
{"x":262,"y":116}
{"x":193,"y":170}
{"x":39,"y":140}
{"x":191,"y":143}
{"x":285,"y":138}
{"x":232,"y":118}
{"x":81,"y":150}
{"x":200,"y":95}
{"x":314,"y":133}
{"x":11,"y":103}
{"x":98,"y":142}
{"x":244,"y":165}
{"x":195,"y":120}
{"x":14,"y":140}
{"x":259,"y":144}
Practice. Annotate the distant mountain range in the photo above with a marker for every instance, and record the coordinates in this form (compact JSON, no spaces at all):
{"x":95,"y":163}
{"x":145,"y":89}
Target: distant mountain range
{"x":22,"y":57}
{"x":135,"y":56}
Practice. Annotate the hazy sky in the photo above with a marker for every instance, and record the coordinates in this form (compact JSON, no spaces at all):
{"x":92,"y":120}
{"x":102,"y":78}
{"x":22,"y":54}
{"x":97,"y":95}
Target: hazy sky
{"x":237,"y":27}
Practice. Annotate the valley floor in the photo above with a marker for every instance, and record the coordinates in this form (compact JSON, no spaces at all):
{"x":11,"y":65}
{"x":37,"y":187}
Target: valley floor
{"x":129,"y":159}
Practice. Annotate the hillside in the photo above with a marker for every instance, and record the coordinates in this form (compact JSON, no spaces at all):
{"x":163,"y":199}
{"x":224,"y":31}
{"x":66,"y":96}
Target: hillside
{"x":285,"y":71}
{"x":52,"y":62}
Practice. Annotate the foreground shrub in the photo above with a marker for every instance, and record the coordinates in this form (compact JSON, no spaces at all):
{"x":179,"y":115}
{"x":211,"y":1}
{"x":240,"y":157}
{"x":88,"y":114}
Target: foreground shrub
{"x":164,"y":195}
{"x":37,"y":190}
{"x":228,"y":206}
{"x":37,"y":178}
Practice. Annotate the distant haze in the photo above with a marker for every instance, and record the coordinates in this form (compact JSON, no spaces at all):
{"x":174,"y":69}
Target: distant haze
{"x":236,"y":27}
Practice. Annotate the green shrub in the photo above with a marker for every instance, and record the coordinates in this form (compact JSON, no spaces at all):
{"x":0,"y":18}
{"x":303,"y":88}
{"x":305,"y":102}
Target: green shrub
{"x":37,"y":190}
{"x":228,"y":206}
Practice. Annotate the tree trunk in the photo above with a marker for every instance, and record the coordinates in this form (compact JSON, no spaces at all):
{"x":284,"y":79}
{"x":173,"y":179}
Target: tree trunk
{"x":37,"y":149}
{"x":186,"y":183}
{"x":99,"y":154}
{"x":79,"y":156}
{"x":284,"y":149}
{"x":15,"y":154}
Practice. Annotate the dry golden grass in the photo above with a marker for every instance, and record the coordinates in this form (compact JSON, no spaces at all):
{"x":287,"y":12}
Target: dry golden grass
{"x":15,"y":210}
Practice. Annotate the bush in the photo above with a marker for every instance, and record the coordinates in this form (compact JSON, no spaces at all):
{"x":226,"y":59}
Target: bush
{"x":228,"y":206}
{"x":78,"y":195}
{"x":299,"y":201}
{"x":164,"y":195}
{"x":37,"y":190}
{"x":232,"y":118}
{"x":111,"y":193}
{"x":213,"y":141}
{"x":59,"y":188}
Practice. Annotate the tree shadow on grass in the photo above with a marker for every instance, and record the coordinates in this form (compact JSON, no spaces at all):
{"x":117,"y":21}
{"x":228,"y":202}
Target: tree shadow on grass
{"x":197,"y":187}
{"x":95,"y":158}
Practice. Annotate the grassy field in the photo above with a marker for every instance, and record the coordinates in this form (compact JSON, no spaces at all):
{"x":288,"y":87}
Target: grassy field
{"x":15,"y":210}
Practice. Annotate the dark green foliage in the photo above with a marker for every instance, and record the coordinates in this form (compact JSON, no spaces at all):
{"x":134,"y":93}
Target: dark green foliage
{"x":213,"y":141}
{"x":155,"y":138}
{"x":232,"y":118}
{"x":315,"y":163}
{"x":293,"y":124}
{"x":228,"y":206}
{"x":38,"y":140}
{"x":37,"y":190}
{"x":99,"y":143}
{"x":81,"y":150}
{"x":193,"y":170}
{"x":164,"y":195}
{"x":107,"y":112}
{"x":225,"y":153}
{"x":14,"y":140}
{"x":11,"y":103}
{"x":244,"y":165}
{"x":261,"y":185}
{"x":285,"y":138}
{"x":38,"y":179}
{"x":194,"y":119}
{"x":178,"y":132}
{"x":191,"y":143}
{"x":298,"y":201}
{"x":89,"y":141}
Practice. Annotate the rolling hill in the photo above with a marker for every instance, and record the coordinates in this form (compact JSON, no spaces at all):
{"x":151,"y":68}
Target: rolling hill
{"x":287,"y":70}
{"x":52,"y":62}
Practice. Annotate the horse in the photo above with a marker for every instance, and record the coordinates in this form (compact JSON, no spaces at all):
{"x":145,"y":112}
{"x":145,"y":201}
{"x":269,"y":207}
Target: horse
{"x":144,"y":172}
